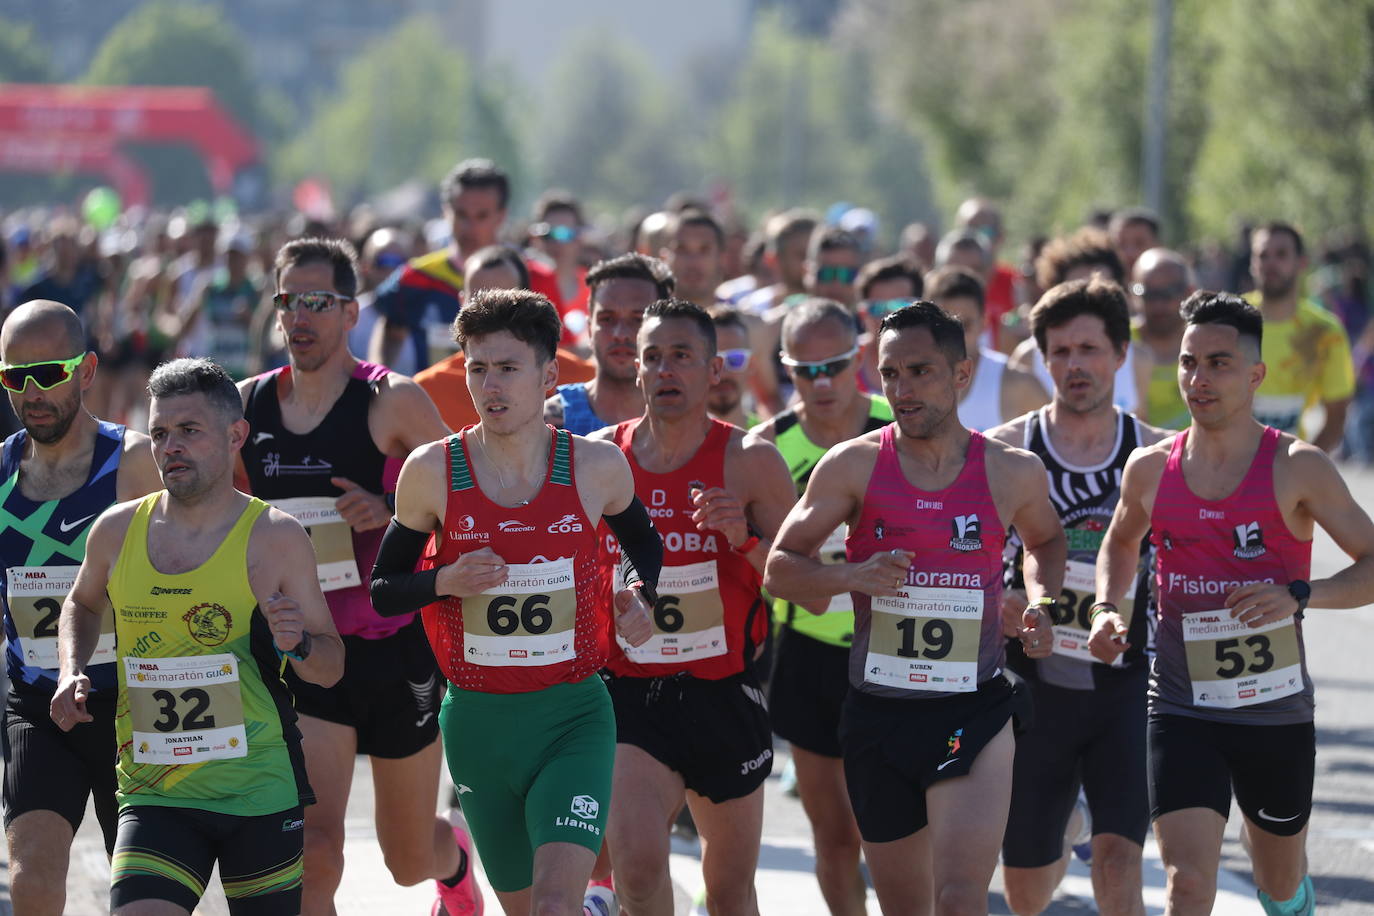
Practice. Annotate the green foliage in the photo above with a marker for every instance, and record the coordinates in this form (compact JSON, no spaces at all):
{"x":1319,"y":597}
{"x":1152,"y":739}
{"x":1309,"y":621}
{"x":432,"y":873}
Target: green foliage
{"x":22,"y":58}
{"x":406,"y":108}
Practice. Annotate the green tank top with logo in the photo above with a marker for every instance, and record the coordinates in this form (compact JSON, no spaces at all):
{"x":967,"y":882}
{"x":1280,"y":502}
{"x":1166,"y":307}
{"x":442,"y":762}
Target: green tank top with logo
{"x":204,"y":719}
{"x":836,"y":626}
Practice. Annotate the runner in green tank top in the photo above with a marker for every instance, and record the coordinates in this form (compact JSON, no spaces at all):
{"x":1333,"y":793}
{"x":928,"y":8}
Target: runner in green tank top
{"x":212,"y":592}
{"x":810,"y":675}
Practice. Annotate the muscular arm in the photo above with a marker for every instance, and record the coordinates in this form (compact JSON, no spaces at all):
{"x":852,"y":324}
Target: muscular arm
{"x":767,"y":492}
{"x":1331,"y":505}
{"x":282,"y":571}
{"x":1119,"y":556}
{"x":1038,"y":525}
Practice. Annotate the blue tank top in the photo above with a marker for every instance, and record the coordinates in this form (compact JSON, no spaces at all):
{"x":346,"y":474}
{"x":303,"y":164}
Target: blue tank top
{"x":35,"y":537}
{"x":578,"y":416}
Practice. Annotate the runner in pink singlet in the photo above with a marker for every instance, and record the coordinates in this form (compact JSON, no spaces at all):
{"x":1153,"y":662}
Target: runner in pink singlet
{"x":1230,"y":506}
{"x":925,"y":730}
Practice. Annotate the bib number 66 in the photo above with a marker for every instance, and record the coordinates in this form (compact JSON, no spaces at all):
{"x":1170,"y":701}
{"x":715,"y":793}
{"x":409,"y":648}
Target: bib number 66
{"x":534,"y":616}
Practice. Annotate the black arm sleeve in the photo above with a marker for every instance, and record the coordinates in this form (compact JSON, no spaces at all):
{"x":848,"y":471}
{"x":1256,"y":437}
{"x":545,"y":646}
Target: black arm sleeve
{"x":641,"y":549}
{"x":396,"y":587}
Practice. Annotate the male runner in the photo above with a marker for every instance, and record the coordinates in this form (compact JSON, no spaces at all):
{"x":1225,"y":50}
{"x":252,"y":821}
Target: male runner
{"x":726,"y":399}
{"x":810,"y":671}
{"x":1230,"y":506}
{"x":925,"y":729}
{"x":326,"y":435}
{"x":60,"y":471}
{"x":514,"y":609}
{"x":209,"y":759}
{"x":1089,"y":717}
{"x":692,"y":721}
{"x":621,"y":288}
{"x":1162,"y":279}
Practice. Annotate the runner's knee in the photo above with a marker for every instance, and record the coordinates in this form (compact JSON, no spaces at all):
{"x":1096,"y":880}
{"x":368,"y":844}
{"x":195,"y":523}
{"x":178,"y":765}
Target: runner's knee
{"x":961,"y":898}
{"x":1190,"y":886}
{"x":1028,"y":893}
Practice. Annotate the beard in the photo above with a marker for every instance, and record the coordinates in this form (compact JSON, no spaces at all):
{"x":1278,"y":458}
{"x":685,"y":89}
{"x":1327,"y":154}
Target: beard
{"x":724,"y":398}
{"x":63,"y":415}
{"x":928,"y":424}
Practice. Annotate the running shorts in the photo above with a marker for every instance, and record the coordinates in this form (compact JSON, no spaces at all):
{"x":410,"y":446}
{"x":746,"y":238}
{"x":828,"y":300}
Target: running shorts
{"x":810,"y":681}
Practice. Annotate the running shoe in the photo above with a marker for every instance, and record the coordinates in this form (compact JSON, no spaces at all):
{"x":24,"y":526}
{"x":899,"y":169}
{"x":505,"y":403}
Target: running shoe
{"x":600,"y":901}
{"x":1082,"y":843}
{"x":1304,"y":902}
{"x":466,"y":898}
{"x":787,"y":781}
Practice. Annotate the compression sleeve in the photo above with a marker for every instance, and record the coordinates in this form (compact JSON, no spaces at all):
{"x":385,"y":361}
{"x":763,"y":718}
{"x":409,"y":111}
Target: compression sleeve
{"x":641,"y":549}
{"x":396,"y":587}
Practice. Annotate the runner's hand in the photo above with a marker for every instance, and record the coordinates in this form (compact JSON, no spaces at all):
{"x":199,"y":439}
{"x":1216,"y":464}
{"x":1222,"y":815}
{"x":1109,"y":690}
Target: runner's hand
{"x":362,"y":510}
{"x":881,"y":575}
{"x":1013,"y":603}
{"x":1036,"y":636}
{"x":286,"y":621}
{"x":718,"y":510}
{"x":68,"y":706}
{"x":1107,"y":640}
{"x":471,"y":574}
{"x":632,"y":620}
{"x":1260,"y":603}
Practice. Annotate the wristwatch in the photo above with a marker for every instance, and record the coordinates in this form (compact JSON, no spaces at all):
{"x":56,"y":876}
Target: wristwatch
{"x":302,"y":650}
{"x":1301,"y":592}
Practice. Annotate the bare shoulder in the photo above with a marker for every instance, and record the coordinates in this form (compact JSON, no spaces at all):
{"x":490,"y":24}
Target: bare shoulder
{"x":430,"y":458}
{"x":114,"y":522}
{"x":246,"y":388}
{"x":1151,"y":435}
{"x":751,"y":447}
{"x":1012,"y":432}
{"x":400,"y":391}
{"x":1149,"y":460}
{"x":595,"y":453}
{"x":852,"y":460}
{"x":604,"y":434}
{"x":1304,"y":463}
{"x":277,"y":527}
{"x":1003,"y":458}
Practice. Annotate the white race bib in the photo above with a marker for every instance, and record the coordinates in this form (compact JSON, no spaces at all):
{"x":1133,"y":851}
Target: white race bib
{"x":926,"y":639}
{"x":35,"y":595}
{"x":331,"y":537}
{"x":1071,"y":614}
{"x":689,"y":618}
{"x":1233,"y":665}
{"x":186,"y":709}
{"x":529,"y":622}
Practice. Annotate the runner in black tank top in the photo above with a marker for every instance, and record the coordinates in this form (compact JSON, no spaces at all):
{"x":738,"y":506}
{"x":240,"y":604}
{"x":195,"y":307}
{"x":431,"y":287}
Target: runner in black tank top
{"x":326,"y":438}
{"x":59,"y":473}
{"x":1089,"y":728}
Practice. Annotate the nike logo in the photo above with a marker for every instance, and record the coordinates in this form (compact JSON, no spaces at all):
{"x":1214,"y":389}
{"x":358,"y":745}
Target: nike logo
{"x":68,"y":526}
{"x":462,"y":788}
{"x":423,"y":719}
{"x":262,"y":437}
{"x":1278,"y":820}
{"x":946,"y":763}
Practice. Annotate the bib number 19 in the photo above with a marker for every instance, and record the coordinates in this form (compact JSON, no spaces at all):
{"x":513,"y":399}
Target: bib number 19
{"x":937,"y":636}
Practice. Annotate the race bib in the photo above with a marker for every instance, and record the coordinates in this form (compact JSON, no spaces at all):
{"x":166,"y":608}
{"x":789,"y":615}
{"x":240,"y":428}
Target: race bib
{"x":332,"y":537}
{"x":926,"y":639}
{"x":1233,"y":665}
{"x":186,"y":709}
{"x":689,"y":618}
{"x":1071,"y":614}
{"x":35,"y":595}
{"x":832,"y":552}
{"x":528,"y":623}
{"x":1281,"y":411}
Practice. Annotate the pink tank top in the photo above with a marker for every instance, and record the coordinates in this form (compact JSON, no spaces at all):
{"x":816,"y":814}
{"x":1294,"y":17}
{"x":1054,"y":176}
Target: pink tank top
{"x":943,"y":634}
{"x":1207,"y":666}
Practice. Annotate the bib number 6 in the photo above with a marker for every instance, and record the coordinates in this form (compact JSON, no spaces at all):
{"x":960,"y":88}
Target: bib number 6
{"x":667,"y":616}
{"x":534,"y":615}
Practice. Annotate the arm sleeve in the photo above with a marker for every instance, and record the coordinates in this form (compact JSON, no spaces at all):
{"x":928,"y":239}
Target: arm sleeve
{"x":396,"y":587}
{"x":641,"y":549}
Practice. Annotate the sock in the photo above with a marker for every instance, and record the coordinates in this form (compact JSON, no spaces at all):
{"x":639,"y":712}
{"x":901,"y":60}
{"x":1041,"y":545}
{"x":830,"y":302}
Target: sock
{"x":460,"y":874}
{"x":1297,"y":905}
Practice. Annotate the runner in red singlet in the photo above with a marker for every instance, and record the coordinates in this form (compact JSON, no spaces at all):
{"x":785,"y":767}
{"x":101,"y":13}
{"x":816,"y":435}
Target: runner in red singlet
{"x":692,"y":722}
{"x":925,"y":729}
{"x":514,"y":605}
{"x":1230,"y":506}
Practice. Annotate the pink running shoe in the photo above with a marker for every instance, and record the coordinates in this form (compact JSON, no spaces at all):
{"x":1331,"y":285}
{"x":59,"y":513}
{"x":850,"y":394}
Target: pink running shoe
{"x":466,"y":898}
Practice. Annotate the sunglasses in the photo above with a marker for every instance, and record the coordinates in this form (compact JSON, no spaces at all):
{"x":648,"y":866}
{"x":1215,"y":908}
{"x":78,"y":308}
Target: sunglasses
{"x":735,"y":360}
{"x":389,"y":260}
{"x":828,"y":367}
{"x":844,"y":275}
{"x":881,"y":308}
{"x":553,"y":233}
{"x":317,"y":301}
{"x":47,"y":374}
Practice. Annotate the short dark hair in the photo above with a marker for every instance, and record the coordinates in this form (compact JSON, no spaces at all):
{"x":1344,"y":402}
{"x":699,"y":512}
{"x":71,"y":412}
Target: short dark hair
{"x":954,"y":281}
{"x":198,"y":376}
{"x":832,"y":238}
{"x":632,"y":266}
{"x":556,"y":199}
{"x":944,"y":327}
{"x":1210,"y":307}
{"x":1096,"y":296}
{"x":665,"y":309}
{"x":338,"y":253}
{"x":528,"y":316}
{"x":813,"y":310}
{"x":727,"y":316}
{"x":1277,"y":226}
{"x":1140,"y":215}
{"x":500,"y":256}
{"x":471,"y":174}
{"x":894,"y":267}
{"x":1088,"y":246}
{"x":789,"y":224}
{"x":695,"y":217}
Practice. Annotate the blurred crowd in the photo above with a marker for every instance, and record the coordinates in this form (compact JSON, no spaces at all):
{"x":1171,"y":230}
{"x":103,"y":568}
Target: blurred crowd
{"x":195,"y":281}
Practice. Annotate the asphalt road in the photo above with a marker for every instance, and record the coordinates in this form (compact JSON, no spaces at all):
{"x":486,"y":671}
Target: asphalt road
{"x":1341,"y":842}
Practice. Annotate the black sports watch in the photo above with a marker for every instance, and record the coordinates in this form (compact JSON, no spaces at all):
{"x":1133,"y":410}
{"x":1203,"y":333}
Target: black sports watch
{"x":302,"y":650}
{"x":1301,"y":592}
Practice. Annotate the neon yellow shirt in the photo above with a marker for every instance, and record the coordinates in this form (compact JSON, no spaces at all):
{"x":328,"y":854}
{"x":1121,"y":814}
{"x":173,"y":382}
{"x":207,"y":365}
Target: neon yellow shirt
{"x":1308,"y":362}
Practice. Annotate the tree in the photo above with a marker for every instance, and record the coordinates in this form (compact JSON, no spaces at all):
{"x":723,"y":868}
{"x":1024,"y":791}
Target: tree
{"x":164,"y":43}
{"x":406,"y":108}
